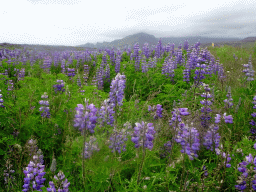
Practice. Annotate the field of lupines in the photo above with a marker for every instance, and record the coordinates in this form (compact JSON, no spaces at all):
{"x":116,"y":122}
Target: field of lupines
{"x":135,"y":120}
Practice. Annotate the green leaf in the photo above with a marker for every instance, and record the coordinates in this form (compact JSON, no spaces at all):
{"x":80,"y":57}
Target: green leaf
{"x":1,"y":152}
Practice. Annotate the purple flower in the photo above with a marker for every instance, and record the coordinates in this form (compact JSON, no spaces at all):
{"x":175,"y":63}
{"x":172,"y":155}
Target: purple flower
{"x":59,"y":86}
{"x":189,"y":140}
{"x":59,"y":183}
{"x":85,"y":118}
{"x":156,"y":111}
{"x":34,"y":175}
{"x":117,"y":141}
{"x":89,"y":148}
{"x":44,"y":103}
{"x":228,"y":119}
{"x":117,"y":87}
{"x":143,"y":135}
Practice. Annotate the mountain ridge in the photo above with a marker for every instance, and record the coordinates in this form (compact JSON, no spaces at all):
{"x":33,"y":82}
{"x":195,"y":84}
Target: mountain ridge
{"x":142,"y":38}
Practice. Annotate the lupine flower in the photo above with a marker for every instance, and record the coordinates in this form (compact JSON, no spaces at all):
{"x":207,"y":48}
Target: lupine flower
{"x":99,"y":77}
{"x":117,"y":87}
{"x":63,"y":66}
{"x":59,"y":87}
{"x":59,"y":183}
{"x":218,"y":118}
{"x":89,"y":148}
{"x":118,"y":141}
{"x":86,"y":73}
{"x":250,"y":72}
{"x":228,"y":165}
{"x":44,"y":103}
{"x":166,"y":149}
{"x":1,"y":100}
{"x":78,"y":82}
{"x":8,"y":178}
{"x":85,"y":118}
{"x":21,"y":74}
{"x":229,"y":100}
{"x":94,"y":81}
{"x":205,"y":171}
{"x":136,"y":56}
{"x":107,"y":74}
{"x":143,"y":135}
{"x":146,"y":50}
{"x":176,"y":115}
{"x":47,"y":63}
{"x":144,"y":65}
{"x":128,"y":127}
{"x":199,"y":73}
{"x":157,"y":111}
{"x":211,"y":137}
{"x":189,"y":140}
{"x":117,"y":67}
{"x":106,"y":113}
{"x":10,"y":86}
{"x":205,"y":117}
{"x":245,"y":180}
{"x":31,"y":147}
{"x":228,"y":119}
{"x":34,"y":175}
{"x":71,"y":73}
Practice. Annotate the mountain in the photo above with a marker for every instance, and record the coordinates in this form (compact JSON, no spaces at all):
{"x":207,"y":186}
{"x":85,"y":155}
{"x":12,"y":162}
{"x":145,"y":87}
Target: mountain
{"x":249,"y":39}
{"x":142,"y":38}
{"x":45,"y":47}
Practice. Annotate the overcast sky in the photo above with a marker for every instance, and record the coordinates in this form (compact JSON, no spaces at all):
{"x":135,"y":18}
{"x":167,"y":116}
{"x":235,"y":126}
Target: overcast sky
{"x":76,"y":22}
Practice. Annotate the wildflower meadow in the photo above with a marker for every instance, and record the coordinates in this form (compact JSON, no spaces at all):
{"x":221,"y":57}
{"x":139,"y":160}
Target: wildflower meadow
{"x":142,"y":119}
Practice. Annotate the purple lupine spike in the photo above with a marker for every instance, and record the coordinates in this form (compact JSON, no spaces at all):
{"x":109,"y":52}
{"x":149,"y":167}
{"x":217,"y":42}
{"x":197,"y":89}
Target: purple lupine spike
{"x":143,"y":135}
{"x":34,"y":175}
{"x":107,"y":74}
{"x":117,"y":67}
{"x":211,"y":137}
{"x":45,"y":109}
{"x":159,"y":111}
{"x":118,"y":141}
{"x":89,"y":148}
{"x":85,"y":118}
{"x":59,"y":183}
{"x":8,"y":177}
{"x":189,"y":140}
{"x":144,"y":65}
{"x":59,"y":87}
{"x":106,"y":113}
{"x":205,"y":117}
{"x":228,"y":119}
{"x":117,"y":87}
{"x":229,"y":100}
{"x":156,"y":111}
{"x":1,"y":100}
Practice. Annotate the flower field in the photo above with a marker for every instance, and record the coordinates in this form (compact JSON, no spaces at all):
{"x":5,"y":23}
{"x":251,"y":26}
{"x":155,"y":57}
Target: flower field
{"x":141,"y":119}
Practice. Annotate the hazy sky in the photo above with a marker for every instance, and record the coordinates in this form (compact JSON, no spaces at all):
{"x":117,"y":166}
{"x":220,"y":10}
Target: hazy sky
{"x":76,"y":22}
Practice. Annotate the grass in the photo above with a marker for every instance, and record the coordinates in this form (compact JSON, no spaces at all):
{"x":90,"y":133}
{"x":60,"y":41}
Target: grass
{"x":133,"y":169}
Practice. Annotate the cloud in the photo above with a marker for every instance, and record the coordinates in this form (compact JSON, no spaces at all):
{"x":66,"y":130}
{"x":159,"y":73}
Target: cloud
{"x":76,"y":22}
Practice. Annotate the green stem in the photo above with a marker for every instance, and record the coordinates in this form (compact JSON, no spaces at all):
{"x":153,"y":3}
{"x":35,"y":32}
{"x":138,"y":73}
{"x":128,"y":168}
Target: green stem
{"x":182,"y":170}
{"x":83,"y":168}
{"x":141,"y":166}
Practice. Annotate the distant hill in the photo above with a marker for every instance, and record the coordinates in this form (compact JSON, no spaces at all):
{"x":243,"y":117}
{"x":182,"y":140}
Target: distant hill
{"x":45,"y":47}
{"x":142,"y":38}
{"x":249,"y":39}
